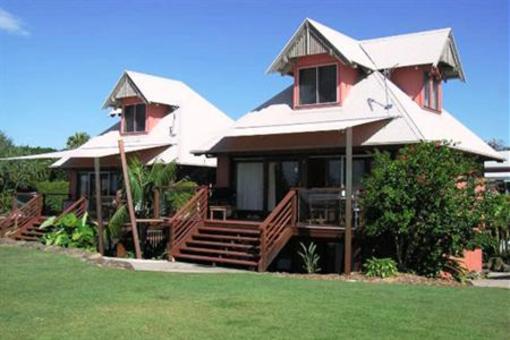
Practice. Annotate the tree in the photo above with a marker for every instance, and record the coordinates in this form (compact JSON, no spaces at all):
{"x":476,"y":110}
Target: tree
{"x":497,"y":144}
{"x":22,"y":175}
{"x":427,"y":201}
{"x":77,"y":140}
{"x":143,"y":181}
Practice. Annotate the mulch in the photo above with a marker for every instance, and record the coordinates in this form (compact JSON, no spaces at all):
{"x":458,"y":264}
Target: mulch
{"x":400,"y":278}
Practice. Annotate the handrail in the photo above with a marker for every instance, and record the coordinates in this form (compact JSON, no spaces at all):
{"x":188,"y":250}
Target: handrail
{"x":186,"y":220}
{"x":275,"y":231}
{"x":22,"y":215}
{"x":79,"y":208}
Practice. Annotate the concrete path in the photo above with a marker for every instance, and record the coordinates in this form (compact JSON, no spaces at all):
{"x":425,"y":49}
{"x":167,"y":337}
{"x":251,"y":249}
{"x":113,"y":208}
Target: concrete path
{"x":495,"y":280}
{"x":173,"y":267}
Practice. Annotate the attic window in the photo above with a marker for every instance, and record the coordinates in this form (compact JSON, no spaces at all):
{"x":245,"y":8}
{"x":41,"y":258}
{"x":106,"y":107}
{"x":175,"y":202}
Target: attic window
{"x":317,"y":85}
{"x":134,"y":118}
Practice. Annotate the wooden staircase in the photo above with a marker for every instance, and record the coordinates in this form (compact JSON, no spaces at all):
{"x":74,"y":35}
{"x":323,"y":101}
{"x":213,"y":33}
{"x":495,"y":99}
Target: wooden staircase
{"x":234,"y":243}
{"x":22,"y":218}
{"x":26,"y":220}
{"x":239,"y":244}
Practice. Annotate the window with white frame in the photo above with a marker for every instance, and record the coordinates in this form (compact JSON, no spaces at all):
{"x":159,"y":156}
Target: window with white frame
{"x":318,"y":85}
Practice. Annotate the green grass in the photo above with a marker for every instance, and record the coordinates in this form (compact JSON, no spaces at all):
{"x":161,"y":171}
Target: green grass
{"x":44,"y":295}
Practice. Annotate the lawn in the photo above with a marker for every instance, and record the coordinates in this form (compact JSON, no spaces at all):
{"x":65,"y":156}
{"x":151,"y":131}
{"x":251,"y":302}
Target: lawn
{"x":45,"y":295}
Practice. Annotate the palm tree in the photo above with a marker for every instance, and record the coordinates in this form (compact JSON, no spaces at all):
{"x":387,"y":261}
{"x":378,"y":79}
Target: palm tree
{"x":77,"y":140}
{"x":144,"y":180}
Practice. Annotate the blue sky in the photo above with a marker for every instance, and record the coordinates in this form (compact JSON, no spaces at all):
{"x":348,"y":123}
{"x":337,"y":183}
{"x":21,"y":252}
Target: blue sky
{"x":60,"y":59}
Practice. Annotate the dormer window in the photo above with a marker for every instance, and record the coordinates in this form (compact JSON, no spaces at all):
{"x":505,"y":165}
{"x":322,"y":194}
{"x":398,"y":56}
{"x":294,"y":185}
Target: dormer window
{"x":134,"y":118}
{"x":431,"y":92}
{"x":318,"y":85}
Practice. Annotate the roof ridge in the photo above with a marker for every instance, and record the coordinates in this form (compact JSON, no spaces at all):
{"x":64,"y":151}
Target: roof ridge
{"x":154,"y":76}
{"x":389,"y":37}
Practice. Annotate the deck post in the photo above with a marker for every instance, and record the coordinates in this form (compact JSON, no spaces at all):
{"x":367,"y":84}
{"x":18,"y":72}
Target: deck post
{"x":131,"y":208}
{"x":99,"y":208}
{"x":348,"y":202}
{"x":156,"y":202}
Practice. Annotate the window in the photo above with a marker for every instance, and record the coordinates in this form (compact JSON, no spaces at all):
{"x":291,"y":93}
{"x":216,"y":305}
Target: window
{"x":431,"y":92}
{"x":134,"y":118}
{"x":250,"y":184}
{"x":317,"y":85}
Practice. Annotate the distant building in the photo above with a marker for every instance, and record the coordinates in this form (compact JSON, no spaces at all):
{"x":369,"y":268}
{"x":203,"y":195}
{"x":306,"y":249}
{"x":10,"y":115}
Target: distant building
{"x":499,"y":172}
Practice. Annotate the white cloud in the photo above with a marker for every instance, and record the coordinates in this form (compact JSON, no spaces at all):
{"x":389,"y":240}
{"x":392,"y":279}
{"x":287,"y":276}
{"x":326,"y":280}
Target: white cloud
{"x":12,"y":24}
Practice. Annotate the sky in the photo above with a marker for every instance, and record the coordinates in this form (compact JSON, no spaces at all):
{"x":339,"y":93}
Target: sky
{"x":60,"y":59}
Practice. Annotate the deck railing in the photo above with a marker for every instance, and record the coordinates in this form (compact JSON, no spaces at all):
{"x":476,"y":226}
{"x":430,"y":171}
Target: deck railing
{"x":276,"y":229}
{"x":23,"y":214}
{"x":187,"y":219}
{"x":79,"y":208}
{"x":325,"y":207}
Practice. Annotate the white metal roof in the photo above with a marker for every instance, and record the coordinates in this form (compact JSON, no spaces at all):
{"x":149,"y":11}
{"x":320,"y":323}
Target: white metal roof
{"x":367,"y":101}
{"x":90,"y":151}
{"x":500,"y":165}
{"x":193,"y":122}
{"x":421,"y":48}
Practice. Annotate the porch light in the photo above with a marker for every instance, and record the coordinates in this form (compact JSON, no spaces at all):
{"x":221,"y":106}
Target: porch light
{"x":115,"y":112}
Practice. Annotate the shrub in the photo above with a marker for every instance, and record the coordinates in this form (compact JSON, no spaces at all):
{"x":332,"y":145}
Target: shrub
{"x":382,"y":268}
{"x":427,"y":201}
{"x":310,"y":258}
{"x":180,"y":194}
{"x":55,"y":193}
{"x":69,"y":231}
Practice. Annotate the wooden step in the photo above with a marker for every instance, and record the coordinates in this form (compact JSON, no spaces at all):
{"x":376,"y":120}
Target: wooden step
{"x":226,"y":238}
{"x":216,"y":260}
{"x":27,"y":233}
{"x":233,"y":224}
{"x":228,"y":230}
{"x":221,"y":244}
{"x":218,"y":252}
{"x":27,"y":238}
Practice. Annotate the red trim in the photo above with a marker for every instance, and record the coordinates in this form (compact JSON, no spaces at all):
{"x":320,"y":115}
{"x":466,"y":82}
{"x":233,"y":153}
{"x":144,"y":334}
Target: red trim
{"x":128,"y":102}
{"x":314,"y":62}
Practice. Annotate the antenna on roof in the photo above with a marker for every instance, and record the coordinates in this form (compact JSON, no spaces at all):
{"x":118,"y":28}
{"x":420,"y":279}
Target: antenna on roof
{"x":387,"y":74}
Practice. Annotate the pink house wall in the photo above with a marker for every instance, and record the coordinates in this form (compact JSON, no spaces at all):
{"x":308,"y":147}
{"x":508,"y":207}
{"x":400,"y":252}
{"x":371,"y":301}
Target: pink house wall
{"x":346,"y":77}
{"x":472,"y":260}
{"x":154,"y":113}
{"x":410,"y":80}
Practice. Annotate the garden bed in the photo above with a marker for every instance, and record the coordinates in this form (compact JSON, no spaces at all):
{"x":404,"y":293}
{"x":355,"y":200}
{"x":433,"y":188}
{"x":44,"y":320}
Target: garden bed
{"x":400,"y":278}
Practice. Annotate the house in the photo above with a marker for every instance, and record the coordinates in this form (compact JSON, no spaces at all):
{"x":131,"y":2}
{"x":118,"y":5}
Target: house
{"x":498,"y":173}
{"x":158,"y":120}
{"x":292,"y":166}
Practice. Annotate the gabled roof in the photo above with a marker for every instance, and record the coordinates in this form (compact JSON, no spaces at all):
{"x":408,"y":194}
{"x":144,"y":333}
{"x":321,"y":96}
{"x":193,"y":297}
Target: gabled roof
{"x":194,"y":120}
{"x":313,"y":37}
{"x":150,"y":88}
{"x":421,"y":48}
{"x":436,"y":47}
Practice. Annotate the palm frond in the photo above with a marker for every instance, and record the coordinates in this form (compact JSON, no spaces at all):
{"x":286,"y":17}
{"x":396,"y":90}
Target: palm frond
{"x":119,"y":218}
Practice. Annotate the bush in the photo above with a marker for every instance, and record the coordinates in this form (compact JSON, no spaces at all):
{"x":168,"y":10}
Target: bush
{"x":310,"y":258}
{"x":55,"y":194}
{"x":178,"y":196}
{"x":427,"y":201}
{"x":382,"y":268}
{"x":69,"y":232}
